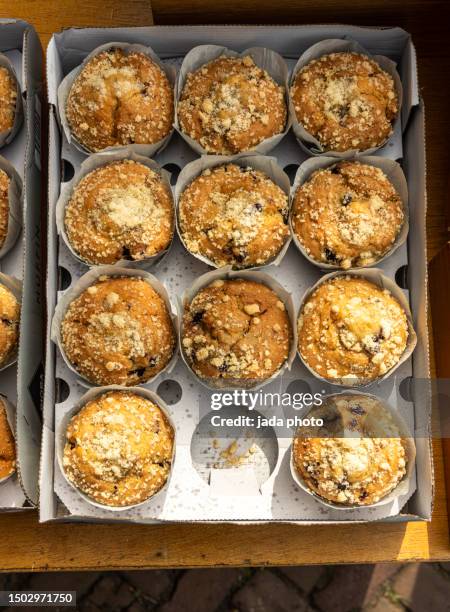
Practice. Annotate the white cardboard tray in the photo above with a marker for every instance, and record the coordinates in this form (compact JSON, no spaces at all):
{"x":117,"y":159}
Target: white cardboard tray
{"x":189,"y":497}
{"x":22,"y":382}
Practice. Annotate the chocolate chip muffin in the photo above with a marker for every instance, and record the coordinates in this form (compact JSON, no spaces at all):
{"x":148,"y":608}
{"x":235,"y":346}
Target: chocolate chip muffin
{"x":234,"y":216}
{"x":358,"y":456}
{"x":119,"y":211}
{"x":9,"y":324}
{"x":236,"y":330}
{"x":347,"y":215}
{"x":7,"y":445}
{"x":4,"y":206}
{"x":8,"y":99}
{"x":118,"y":449}
{"x":346,"y":101}
{"x":118,"y":99}
{"x":118,"y":331}
{"x":351,"y":331}
{"x":231,"y":105}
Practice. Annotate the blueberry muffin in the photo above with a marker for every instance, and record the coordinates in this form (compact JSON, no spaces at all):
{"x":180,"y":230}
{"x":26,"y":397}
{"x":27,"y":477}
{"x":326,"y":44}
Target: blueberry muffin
{"x":351,"y":331}
{"x":8,"y":99}
{"x":231,"y":105}
{"x":236,"y":331}
{"x":346,"y":101}
{"x":119,"y":211}
{"x":7,"y":445}
{"x":358,"y":456}
{"x":4,"y":206}
{"x":118,"y":449}
{"x":9,"y":324}
{"x":118,"y":331}
{"x":348,"y":215}
{"x":234,"y":216}
{"x":118,"y":99}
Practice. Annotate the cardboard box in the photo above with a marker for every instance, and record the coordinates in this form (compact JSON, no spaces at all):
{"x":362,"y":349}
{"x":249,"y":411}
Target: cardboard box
{"x":194,"y":494}
{"x":22,"y":382}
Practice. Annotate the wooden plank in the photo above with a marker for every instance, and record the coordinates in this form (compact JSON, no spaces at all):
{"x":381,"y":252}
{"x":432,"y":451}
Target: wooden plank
{"x":50,"y":17}
{"x":439,"y":270}
{"x":25,"y":545}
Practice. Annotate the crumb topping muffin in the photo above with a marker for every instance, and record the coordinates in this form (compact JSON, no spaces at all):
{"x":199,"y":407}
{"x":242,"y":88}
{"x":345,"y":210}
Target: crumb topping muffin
{"x":231,"y":105}
{"x":118,"y":331}
{"x":119,"y":211}
{"x":118,"y":99}
{"x":359,"y":456}
{"x":7,"y":445}
{"x":347,"y":215}
{"x":8,"y":99}
{"x":9,"y":324}
{"x":118,"y":449}
{"x":236,"y":330}
{"x":346,"y":101}
{"x":4,"y":206}
{"x":234,"y":216}
{"x":351,"y":331}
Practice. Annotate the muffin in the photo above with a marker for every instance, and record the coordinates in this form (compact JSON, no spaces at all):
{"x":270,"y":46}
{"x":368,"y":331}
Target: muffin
{"x":118,"y":449}
{"x":236,"y":330}
{"x":8,"y":99}
{"x":9,"y":324}
{"x":346,"y":101}
{"x":359,"y":456}
{"x":231,"y":105}
{"x":4,"y":206}
{"x":347,"y":215}
{"x":118,"y":99}
{"x":7,"y":445}
{"x":234,"y":216}
{"x":118,"y":331}
{"x":351,"y":331}
{"x":119,"y":211}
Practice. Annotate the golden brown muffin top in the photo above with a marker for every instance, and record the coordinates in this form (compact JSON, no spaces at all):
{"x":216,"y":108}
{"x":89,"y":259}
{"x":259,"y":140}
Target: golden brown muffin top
{"x":346,"y":101}
{"x":4,"y":206}
{"x":234,"y":216}
{"x":9,"y":324}
{"x":351,"y":331}
{"x":119,"y":449}
{"x":347,"y":215}
{"x":231,"y":105}
{"x":120,"y":98}
{"x":236,"y":330}
{"x":7,"y":445}
{"x":8,"y":99}
{"x":119,"y":211}
{"x":350,"y":464}
{"x":118,"y":331}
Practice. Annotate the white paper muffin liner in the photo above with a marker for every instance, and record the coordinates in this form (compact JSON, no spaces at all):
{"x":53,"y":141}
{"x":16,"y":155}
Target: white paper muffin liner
{"x":60,"y":439}
{"x":405,"y":488}
{"x":268,"y":165}
{"x":336,"y":45}
{"x":227,"y":273}
{"x":66,"y":85}
{"x":15,"y":286}
{"x":7,"y":136}
{"x":266,"y":59}
{"x":377,"y":277}
{"x":86,"y":281}
{"x":393,"y":172}
{"x":96,"y":160}
{"x":11,"y":418}
{"x":15,"y":206}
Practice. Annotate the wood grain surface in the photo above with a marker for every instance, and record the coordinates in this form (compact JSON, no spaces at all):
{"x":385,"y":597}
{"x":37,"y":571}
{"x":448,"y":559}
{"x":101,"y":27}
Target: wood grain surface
{"x":26,"y":545}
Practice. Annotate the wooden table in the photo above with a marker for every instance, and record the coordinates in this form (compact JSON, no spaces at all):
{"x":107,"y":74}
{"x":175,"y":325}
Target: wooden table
{"x":25,"y":545}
